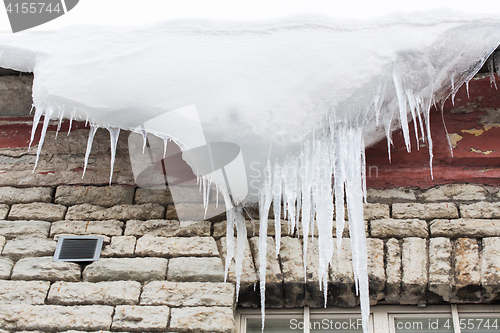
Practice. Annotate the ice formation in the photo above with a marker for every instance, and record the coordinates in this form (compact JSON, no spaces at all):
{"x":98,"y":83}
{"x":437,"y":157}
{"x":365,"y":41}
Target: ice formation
{"x":300,"y":96}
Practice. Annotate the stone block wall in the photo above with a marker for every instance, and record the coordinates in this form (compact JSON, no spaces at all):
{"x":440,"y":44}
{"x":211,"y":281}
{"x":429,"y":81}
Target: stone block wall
{"x":156,"y":273}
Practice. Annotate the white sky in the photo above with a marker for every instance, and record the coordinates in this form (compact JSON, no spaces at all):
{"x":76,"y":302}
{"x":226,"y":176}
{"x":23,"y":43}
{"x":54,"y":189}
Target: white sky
{"x":132,"y":12}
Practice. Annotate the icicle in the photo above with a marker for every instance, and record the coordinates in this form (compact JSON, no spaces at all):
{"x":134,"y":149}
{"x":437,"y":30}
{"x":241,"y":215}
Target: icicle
{"x":36,"y":119}
{"x":32,"y":107}
{"x":46,"y":120}
{"x":338,"y":183}
{"x":277,"y":186}
{"x":323,"y":199}
{"x":217,"y":196}
{"x":378,"y":100}
{"x":427,"y":103}
{"x":230,"y":218}
{"x":453,"y":90}
{"x":71,"y":117}
{"x":60,"y":116}
{"x":93,"y":130}
{"x":446,"y":130}
{"x":496,"y":61}
{"x":306,"y":199}
{"x":209,"y":188}
{"x":286,"y":209}
{"x":363,"y":168}
{"x":491,"y":69}
{"x":412,"y":102}
{"x":356,"y":221}
{"x":420,"y":121}
{"x":264,"y":205}
{"x":144,"y":140}
{"x":262,"y":268}
{"x":206,"y":193}
{"x":427,"y":118}
{"x":467,"y":88}
{"x":402,"y":108}
{"x":203,"y":186}
{"x":298,"y":209}
{"x":388,"y":137}
{"x":114,"y":132}
{"x":290,"y":193}
{"x":431,"y":154}
{"x":241,"y":241}
{"x":165,"y":142}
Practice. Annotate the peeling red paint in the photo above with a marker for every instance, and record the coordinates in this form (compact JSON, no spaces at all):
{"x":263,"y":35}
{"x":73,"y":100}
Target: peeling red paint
{"x":45,"y":172}
{"x":15,"y":132}
{"x":476,"y":155}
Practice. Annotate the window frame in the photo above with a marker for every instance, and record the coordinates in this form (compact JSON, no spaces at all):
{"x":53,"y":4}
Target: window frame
{"x":243,"y":314}
{"x":379,"y":313}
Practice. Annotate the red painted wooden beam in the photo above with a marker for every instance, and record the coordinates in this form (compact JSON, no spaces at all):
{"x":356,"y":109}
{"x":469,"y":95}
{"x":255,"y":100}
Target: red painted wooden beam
{"x":473,"y":125}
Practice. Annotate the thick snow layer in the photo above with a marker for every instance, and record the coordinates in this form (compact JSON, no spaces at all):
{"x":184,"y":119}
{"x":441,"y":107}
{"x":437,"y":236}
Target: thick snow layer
{"x":265,"y":86}
{"x":301,"y":97}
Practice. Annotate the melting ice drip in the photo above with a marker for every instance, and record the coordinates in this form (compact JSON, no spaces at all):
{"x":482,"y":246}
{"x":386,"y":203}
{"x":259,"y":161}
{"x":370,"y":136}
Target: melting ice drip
{"x":302,"y":97}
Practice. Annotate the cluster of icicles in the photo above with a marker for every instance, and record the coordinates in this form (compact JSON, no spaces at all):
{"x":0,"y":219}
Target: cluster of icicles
{"x":302,"y":185}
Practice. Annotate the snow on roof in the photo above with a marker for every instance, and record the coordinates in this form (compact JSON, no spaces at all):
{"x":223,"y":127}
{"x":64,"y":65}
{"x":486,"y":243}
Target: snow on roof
{"x":300,"y":96}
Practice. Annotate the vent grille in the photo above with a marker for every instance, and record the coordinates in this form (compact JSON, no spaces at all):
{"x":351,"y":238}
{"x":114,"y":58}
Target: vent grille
{"x":73,"y":248}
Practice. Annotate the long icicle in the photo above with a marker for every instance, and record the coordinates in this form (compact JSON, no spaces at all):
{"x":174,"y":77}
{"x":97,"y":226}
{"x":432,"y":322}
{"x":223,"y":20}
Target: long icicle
{"x":90,"y":140}
{"x":46,"y":120}
{"x":323,"y":199}
{"x":36,"y":120}
{"x":356,"y":222}
{"x":71,"y":117}
{"x":230,"y":221}
{"x":264,"y":205}
{"x":241,"y":242}
{"x":402,"y":107}
{"x":277,"y":192}
{"x":306,"y":199}
{"x":114,"y":132}
{"x":61,"y":117}
{"x":339,"y":184}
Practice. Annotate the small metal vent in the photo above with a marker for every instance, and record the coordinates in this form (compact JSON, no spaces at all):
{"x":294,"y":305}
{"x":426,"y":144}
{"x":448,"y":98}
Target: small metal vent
{"x":74,"y":248}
